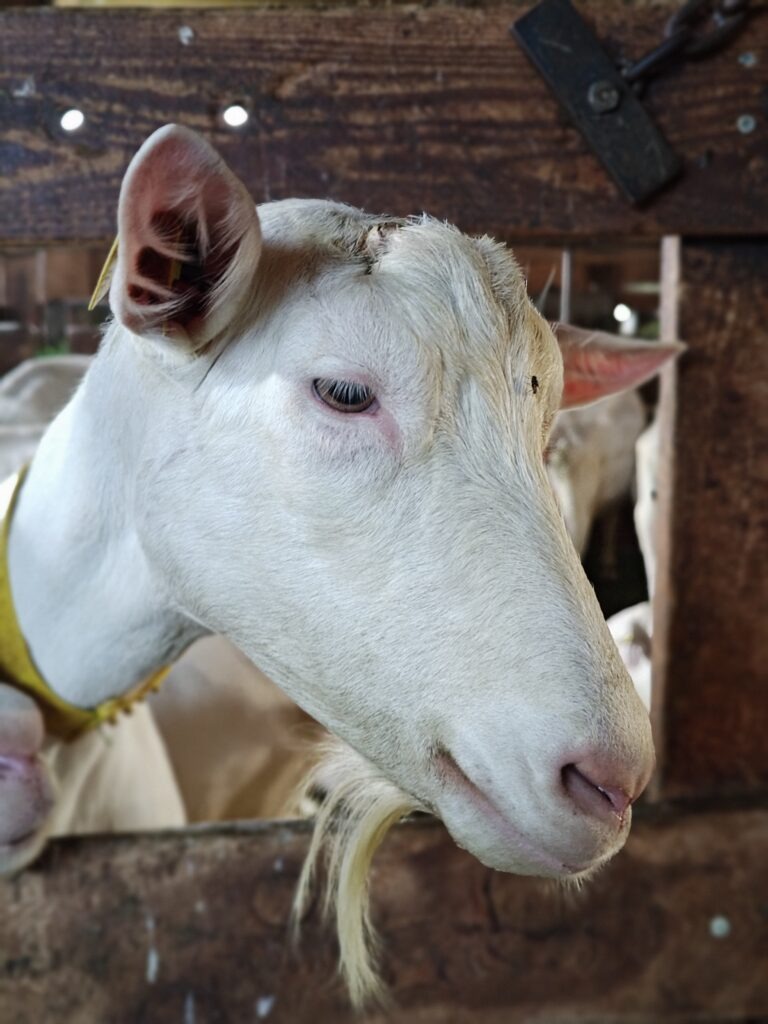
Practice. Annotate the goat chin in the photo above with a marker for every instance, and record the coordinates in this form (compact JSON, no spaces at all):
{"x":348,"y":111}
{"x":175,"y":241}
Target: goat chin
{"x":351,"y":823}
{"x":358,"y":807}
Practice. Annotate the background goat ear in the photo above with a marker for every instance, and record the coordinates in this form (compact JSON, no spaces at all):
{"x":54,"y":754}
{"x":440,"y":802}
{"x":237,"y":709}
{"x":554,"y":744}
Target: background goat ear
{"x":596,"y":364}
{"x":188,"y":242}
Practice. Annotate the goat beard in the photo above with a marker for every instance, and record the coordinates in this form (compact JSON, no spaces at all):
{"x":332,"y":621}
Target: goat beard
{"x":359,"y":808}
{"x":356,"y":808}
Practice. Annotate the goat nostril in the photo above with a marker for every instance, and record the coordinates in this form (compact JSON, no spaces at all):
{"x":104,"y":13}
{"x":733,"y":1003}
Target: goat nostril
{"x":593,"y":798}
{"x":616,"y":797}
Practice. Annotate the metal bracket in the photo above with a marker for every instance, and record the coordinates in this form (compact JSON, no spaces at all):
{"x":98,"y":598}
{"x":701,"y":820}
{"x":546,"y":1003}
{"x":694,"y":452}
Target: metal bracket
{"x":589,"y":86}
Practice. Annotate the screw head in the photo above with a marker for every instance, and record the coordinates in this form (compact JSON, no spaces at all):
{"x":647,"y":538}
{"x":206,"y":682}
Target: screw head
{"x":746,"y":124}
{"x":603,"y":96}
{"x":748,"y":59}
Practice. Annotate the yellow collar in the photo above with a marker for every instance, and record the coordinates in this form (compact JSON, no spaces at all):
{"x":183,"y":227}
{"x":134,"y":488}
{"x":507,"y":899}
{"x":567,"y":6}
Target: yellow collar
{"x":62,"y":720}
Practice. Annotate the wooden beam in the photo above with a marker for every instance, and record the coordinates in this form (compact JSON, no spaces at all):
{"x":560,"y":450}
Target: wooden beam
{"x":710,"y":636}
{"x":398,"y":108}
{"x":191,"y":926}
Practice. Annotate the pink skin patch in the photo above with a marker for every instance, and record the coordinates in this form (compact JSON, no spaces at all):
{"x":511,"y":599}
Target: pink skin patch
{"x":26,"y":796}
{"x":26,"y":799}
{"x":21,"y":725}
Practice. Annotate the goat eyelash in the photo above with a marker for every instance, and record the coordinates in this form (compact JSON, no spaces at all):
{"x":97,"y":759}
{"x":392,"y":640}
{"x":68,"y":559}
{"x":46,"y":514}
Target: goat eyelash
{"x":344,"y":396}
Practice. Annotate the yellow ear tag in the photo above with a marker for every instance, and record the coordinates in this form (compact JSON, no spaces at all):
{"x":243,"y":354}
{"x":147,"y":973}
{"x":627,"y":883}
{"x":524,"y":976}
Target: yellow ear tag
{"x":105,"y":277}
{"x":174,"y":272}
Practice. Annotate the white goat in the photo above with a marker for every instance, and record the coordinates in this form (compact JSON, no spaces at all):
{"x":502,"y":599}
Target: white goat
{"x":238,"y":746}
{"x":229,"y":733}
{"x":647,"y":473}
{"x":632,"y":628}
{"x":30,"y":396}
{"x":34,"y":391}
{"x":321,"y":433}
{"x":111,"y":779}
{"x":591,"y":459}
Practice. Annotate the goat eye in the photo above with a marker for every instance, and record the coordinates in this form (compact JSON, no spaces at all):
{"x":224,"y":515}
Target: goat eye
{"x":343,"y":395}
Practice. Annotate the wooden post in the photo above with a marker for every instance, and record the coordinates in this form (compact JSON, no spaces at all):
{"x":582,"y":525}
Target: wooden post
{"x":711,"y":614}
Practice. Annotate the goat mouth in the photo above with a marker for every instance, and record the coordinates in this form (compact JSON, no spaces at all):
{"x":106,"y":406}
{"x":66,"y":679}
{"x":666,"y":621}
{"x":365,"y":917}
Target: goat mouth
{"x":453,"y":776}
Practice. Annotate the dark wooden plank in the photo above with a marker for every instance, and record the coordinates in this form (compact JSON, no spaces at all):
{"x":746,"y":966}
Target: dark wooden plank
{"x":710,"y":636}
{"x":183,"y":927}
{"x":398,"y":108}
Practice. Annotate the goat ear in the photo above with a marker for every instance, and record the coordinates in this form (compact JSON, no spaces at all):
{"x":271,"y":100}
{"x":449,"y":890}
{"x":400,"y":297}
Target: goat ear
{"x":596,"y":364}
{"x":188,"y":242}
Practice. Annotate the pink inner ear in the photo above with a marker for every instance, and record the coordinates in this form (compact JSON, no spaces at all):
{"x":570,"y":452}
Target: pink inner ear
{"x":183,"y":220}
{"x":152,"y":266}
{"x":187,"y":281}
{"x":591,"y":375}
{"x":596,"y":364}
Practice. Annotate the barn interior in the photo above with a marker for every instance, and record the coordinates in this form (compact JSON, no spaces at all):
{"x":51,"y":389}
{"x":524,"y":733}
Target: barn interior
{"x":447,"y":108}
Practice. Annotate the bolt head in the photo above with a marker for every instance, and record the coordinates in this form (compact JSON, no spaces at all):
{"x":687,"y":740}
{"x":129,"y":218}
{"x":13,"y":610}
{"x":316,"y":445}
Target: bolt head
{"x":603,"y":96}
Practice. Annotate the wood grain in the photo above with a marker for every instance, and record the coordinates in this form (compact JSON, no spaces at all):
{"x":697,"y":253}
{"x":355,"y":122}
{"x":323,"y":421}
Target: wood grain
{"x":399,"y":108}
{"x":192,"y":927}
{"x":710,"y":635}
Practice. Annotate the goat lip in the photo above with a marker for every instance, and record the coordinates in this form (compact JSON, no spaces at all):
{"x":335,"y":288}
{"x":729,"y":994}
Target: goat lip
{"x":453,"y":775}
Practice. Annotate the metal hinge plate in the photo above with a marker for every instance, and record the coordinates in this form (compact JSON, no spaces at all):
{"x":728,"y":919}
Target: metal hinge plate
{"x":604,"y":108}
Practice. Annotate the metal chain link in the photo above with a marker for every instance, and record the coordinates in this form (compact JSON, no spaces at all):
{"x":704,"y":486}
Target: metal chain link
{"x":698,"y":29}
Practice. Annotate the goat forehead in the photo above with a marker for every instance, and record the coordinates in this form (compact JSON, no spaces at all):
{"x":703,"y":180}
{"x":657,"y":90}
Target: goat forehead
{"x":464,"y":296}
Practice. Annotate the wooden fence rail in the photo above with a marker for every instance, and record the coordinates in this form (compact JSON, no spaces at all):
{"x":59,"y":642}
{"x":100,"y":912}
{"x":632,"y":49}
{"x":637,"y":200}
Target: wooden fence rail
{"x":192,"y":927}
{"x":403,"y":108}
